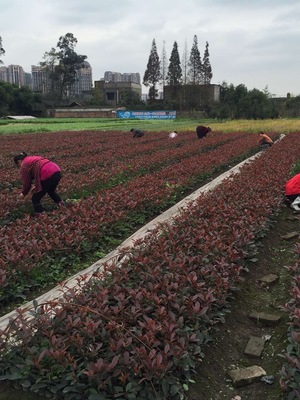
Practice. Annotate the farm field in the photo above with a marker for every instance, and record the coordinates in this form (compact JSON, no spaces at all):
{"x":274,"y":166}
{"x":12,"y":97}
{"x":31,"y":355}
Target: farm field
{"x":116,"y":184}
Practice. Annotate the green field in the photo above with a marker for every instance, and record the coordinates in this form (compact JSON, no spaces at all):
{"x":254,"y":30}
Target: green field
{"x":180,"y":124}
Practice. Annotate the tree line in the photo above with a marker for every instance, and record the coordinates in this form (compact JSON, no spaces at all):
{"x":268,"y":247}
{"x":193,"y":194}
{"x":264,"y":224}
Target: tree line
{"x":62,"y":62}
{"x":188,"y":70}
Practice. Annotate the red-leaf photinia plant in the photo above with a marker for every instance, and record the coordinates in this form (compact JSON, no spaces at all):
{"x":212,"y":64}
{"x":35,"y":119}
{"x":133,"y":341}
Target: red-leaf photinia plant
{"x":136,"y":330}
{"x":112,"y":179}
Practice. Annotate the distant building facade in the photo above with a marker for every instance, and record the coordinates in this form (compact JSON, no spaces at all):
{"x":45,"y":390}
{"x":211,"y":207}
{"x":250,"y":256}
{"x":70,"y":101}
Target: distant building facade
{"x":112,"y":93}
{"x":13,"y":74}
{"x":134,"y":77}
{"x":83,"y":80}
{"x":41,"y":81}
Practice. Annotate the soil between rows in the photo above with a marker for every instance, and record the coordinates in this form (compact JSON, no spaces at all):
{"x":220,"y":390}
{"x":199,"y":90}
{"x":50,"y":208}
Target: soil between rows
{"x":226,"y":352}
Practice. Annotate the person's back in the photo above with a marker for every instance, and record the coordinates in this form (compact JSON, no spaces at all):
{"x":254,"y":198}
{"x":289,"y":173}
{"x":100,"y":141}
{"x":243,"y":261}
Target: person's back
{"x":264,"y":139}
{"x":173,"y":135}
{"x":137,"y":133}
{"x":292,"y":186}
{"x":202,"y":131}
{"x":292,"y":192}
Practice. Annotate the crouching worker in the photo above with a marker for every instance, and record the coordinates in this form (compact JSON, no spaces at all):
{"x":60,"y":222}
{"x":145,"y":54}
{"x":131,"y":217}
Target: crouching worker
{"x":137,"y":133}
{"x":44,"y":173}
{"x":292,"y":192}
{"x":264,"y":140}
{"x":202,"y":131}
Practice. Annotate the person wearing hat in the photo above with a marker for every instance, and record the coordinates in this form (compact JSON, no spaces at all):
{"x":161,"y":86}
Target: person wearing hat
{"x":292,"y":192}
{"x":45,"y":174}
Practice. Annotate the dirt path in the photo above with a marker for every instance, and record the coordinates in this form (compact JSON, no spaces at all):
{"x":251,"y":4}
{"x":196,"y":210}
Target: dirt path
{"x":227,"y":352}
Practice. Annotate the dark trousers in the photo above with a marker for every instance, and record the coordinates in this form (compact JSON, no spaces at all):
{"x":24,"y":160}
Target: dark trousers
{"x":291,"y":197}
{"x":48,"y":187}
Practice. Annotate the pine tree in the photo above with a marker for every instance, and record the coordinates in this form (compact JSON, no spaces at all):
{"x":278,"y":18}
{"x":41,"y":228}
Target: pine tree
{"x":195,"y":64}
{"x":207,"y":71}
{"x":152,"y":74}
{"x":174,"y":75}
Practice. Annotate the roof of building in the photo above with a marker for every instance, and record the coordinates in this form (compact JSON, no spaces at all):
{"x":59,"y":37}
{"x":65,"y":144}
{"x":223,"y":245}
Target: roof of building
{"x":19,"y":117}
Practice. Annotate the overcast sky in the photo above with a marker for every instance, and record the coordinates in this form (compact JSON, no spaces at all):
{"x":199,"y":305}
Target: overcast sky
{"x":251,"y":42}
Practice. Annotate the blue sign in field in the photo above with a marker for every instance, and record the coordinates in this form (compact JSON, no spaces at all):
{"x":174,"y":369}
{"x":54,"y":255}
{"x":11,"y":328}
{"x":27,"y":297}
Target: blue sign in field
{"x":146,"y":114}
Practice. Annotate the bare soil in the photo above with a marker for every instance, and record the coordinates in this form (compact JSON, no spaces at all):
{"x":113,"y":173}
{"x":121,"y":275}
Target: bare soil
{"x":226,"y":352}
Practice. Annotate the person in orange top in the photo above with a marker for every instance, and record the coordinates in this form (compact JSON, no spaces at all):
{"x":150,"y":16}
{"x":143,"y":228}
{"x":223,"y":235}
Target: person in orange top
{"x":292,"y":192}
{"x":264,"y":140}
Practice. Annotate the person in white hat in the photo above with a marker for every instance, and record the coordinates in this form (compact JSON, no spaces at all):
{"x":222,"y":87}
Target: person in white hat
{"x":173,"y":135}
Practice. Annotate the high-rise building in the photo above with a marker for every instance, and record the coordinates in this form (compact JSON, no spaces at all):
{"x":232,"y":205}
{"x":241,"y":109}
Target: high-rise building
{"x":3,"y":74}
{"x":13,"y":74}
{"x":41,"y":81}
{"x":83,"y":80}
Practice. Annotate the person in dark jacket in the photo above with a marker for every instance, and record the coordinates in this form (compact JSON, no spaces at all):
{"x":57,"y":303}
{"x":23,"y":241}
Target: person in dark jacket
{"x":137,"y":133}
{"x":202,"y":131}
{"x":45,"y":174}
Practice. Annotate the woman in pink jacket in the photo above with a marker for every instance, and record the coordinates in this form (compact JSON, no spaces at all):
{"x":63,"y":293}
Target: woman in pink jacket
{"x":46,"y":176}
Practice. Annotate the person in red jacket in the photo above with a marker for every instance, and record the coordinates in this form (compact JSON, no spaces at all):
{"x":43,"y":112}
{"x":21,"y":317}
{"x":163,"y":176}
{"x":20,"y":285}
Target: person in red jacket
{"x":292,"y":192}
{"x":202,"y":131}
{"x":44,"y":173}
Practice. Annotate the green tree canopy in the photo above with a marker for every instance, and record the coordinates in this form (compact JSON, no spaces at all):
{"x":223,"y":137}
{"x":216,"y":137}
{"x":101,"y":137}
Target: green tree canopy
{"x":174,"y":75}
{"x":152,"y":74}
{"x":195,"y":64}
{"x":18,"y":101}
{"x":206,"y":67}
{"x":61,"y":65}
{"x":238,"y":102}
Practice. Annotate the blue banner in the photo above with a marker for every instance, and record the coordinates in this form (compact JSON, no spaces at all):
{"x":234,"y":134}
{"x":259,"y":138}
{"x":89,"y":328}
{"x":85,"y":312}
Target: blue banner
{"x":146,"y":114}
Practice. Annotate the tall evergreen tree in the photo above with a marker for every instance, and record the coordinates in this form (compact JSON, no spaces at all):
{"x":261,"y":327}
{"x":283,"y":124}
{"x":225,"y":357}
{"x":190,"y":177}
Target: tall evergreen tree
{"x":152,"y":74}
{"x":2,"y":51}
{"x":206,"y":67}
{"x":174,"y":76}
{"x":195,"y":64}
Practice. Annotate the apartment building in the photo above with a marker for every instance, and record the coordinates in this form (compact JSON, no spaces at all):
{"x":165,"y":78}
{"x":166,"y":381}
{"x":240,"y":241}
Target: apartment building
{"x":41,"y":81}
{"x":13,"y":74}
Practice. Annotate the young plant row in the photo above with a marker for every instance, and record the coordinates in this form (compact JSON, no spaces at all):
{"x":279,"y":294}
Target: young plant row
{"x":26,"y":242}
{"x":136,"y":331}
{"x":90,"y":162}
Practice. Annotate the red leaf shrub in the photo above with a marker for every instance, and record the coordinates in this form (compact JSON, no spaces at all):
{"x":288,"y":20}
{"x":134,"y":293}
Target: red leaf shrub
{"x":138,"y":330}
